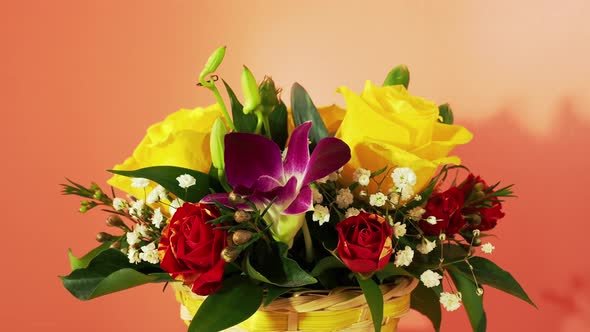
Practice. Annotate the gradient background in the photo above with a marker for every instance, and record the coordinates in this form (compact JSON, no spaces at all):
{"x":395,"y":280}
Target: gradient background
{"x":81,"y":81}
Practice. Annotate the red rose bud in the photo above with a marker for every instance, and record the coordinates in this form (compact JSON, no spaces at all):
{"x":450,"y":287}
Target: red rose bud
{"x":190,"y":248}
{"x":364,"y":242}
{"x":446,"y":207}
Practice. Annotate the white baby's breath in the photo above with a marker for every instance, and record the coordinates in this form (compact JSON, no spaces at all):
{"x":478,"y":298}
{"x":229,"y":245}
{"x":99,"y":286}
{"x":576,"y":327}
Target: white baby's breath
{"x":351,"y":212}
{"x":430,"y":278}
{"x":119,"y":204}
{"x":321,"y":214}
{"x":157,"y":218}
{"x":158,"y":194}
{"x":399,"y":230}
{"x":426,"y":246}
{"x":432,"y":220}
{"x":149,"y":253}
{"x":174,"y":205}
{"x":139,"y":182}
{"x":487,"y":248}
{"x":344,"y":198}
{"x":186,"y":180}
{"x":404,"y":257}
{"x":133,"y":255}
{"x":379,"y":199}
{"x":132,"y":238}
{"x":362,"y":176}
{"x":136,"y":209}
{"x":450,"y":301}
{"x":318,"y":198}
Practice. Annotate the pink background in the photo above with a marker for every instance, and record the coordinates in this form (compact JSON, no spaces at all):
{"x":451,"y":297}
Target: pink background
{"x":81,"y":81}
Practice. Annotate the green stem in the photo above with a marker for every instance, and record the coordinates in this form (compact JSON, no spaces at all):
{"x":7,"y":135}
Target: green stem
{"x":308,"y":243}
{"x":221,"y":103}
{"x":223,"y":180}
{"x":266,"y":126}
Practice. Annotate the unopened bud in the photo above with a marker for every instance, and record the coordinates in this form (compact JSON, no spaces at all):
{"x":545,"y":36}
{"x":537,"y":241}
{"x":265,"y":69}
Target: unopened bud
{"x":103,"y":237}
{"x":242,"y":216}
{"x":83,"y":209}
{"x":478,"y":186}
{"x":115,"y":221}
{"x":230,"y":254}
{"x":115,"y":245}
{"x":474,"y":219}
{"x":98,"y":194}
{"x":476,"y":232}
{"x":250,"y":90}
{"x":442,"y":237}
{"x":216,"y":144}
{"x":236,"y":198}
{"x":212,"y":63}
{"x":269,"y":95}
{"x":399,"y":75}
{"x":431,"y":220}
{"x":477,"y":195}
{"x":479,"y":291}
{"x":230,"y":241}
{"x":241,"y":236}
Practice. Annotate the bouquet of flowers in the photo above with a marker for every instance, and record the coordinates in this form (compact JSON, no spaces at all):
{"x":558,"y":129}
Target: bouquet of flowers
{"x":275,"y":205}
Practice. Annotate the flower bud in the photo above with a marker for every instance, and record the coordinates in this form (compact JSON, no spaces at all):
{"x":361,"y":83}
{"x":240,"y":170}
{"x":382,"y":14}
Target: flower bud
{"x":473,"y":219}
{"x":98,"y":194}
{"x":250,"y":90}
{"x":269,"y":95}
{"x":477,"y":195}
{"x":442,"y":237}
{"x":241,"y":236}
{"x":236,"y":198}
{"x":478,"y":186}
{"x":479,"y":291}
{"x":242,"y":216}
{"x":229,"y":254}
{"x":115,"y":221}
{"x":399,"y":75}
{"x":103,"y":237}
{"x":115,"y":245}
{"x":216,"y":144}
{"x":212,"y":63}
{"x":476,"y":232}
{"x":445,"y":114}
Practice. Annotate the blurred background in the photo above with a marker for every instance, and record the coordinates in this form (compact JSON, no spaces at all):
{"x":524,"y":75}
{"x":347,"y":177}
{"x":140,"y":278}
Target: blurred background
{"x":82,"y":80}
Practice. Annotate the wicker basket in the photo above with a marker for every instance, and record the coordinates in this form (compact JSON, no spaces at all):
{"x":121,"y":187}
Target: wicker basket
{"x":342,"y":309}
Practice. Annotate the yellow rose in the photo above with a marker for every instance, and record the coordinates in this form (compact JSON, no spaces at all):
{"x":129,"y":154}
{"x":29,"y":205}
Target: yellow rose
{"x":182,"y":140}
{"x":388,"y":126}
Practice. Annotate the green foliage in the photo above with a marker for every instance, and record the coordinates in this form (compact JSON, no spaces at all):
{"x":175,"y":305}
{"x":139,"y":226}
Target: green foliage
{"x":245,"y":123}
{"x":166,"y":177}
{"x":473,"y":303}
{"x":488,"y":273}
{"x":82,"y":262}
{"x":374,"y":299}
{"x":426,"y":301}
{"x":390,"y":270}
{"x":445,"y":113}
{"x":278,"y":125}
{"x":272,"y":266}
{"x":109,"y":272}
{"x":237,"y":300}
{"x":273,"y":292}
{"x":398,"y":75}
{"x":327,"y":263}
{"x":304,"y":110}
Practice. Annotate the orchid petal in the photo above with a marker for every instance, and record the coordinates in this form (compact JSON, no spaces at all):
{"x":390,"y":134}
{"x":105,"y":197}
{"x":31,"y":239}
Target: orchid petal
{"x":250,"y":156}
{"x":283,"y":196}
{"x":267,"y":183}
{"x":302,"y":203}
{"x":298,"y":151}
{"x":328,"y":156}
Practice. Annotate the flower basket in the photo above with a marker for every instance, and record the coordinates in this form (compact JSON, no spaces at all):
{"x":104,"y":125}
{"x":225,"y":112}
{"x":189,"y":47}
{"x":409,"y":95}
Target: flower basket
{"x":342,"y":309}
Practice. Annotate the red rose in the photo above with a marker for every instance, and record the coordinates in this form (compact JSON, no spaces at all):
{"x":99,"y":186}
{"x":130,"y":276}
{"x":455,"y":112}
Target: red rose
{"x":190,"y":249}
{"x":364,"y":242}
{"x":490,"y":212}
{"x":446,"y":207}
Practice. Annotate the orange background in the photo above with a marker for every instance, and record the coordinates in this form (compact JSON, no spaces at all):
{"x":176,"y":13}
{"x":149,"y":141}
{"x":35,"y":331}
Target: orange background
{"x":81,"y":81}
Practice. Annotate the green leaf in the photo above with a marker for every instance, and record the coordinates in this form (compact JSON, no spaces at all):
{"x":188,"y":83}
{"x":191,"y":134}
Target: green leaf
{"x":398,"y":75}
{"x":82,"y":262}
{"x":327,"y":263}
{"x":237,"y":300}
{"x":109,"y":272}
{"x":166,"y":177}
{"x":426,"y":302}
{"x":374,"y":299}
{"x":488,"y":273}
{"x":245,"y":123}
{"x":278,"y":125}
{"x":304,"y":110}
{"x":445,"y":113}
{"x":472,"y":302}
{"x":273,"y":293}
{"x":287,"y":273}
{"x":391,"y":270}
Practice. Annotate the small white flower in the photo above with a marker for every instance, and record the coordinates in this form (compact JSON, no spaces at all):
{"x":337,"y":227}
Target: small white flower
{"x":426,"y":246}
{"x":379,"y":199}
{"x":450,"y":301}
{"x":403,"y":177}
{"x":487,"y":248}
{"x":174,"y":205}
{"x":344,"y":198}
{"x":139,"y":182}
{"x":186,"y":180}
{"x":158,"y":194}
{"x":351,"y":212}
{"x":418,"y":198}
{"x":334,"y":176}
{"x":406,"y":193}
{"x":432,"y":220}
{"x":404,"y":257}
{"x":363,"y":193}
{"x":323,"y":180}
{"x":141,"y":230}
{"x":318,"y":198}
{"x":394,"y":198}
{"x":362,"y":176}
{"x":119,"y":204}
{"x":149,"y":254}
{"x":157,"y":218}
{"x":136,"y":209}
{"x":321,"y":214}
{"x":132,"y":238}
{"x":133,"y":255}
{"x":399,"y":229}
{"x":430,"y":279}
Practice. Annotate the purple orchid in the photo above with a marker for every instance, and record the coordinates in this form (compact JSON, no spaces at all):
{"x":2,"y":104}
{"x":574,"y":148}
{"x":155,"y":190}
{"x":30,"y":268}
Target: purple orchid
{"x":256,"y":170}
